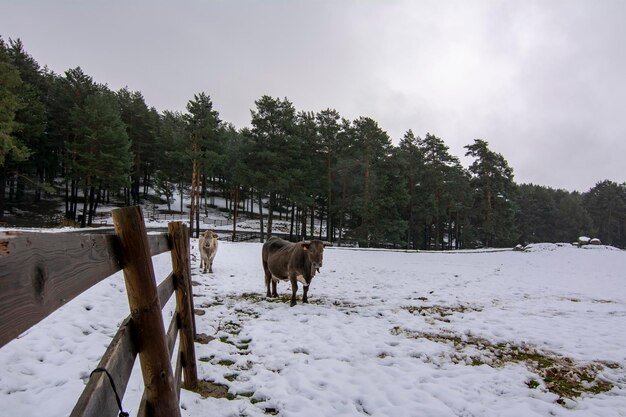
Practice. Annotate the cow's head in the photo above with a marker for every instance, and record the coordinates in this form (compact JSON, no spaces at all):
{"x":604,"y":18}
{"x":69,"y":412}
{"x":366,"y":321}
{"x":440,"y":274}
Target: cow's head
{"x":314,"y":251}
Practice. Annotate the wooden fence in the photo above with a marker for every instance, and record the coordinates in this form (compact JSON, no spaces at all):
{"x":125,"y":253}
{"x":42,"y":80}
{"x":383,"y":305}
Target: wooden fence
{"x":40,"y":272}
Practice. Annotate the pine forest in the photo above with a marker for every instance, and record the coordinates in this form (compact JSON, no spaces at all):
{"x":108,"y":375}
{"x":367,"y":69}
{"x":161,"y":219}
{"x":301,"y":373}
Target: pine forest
{"x":67,"y":138}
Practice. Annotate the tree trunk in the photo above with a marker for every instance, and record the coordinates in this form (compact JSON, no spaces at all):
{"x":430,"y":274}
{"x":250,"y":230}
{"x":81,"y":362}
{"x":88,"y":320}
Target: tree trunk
{"x":83,"y":220}
{"x":457,"y":233}
{"x":3,"y":179}
{"x":329,"y":236}
{"x":437,"y":221}
{"x":313,"y":220}
{"x":182,"y":195}
{"x":303,"y":223}
{"x":270,"y":215}
{"x":91,"y":205}
{"x":236,"y":200}
{"x":197,"y":208}
{"x":261,"y":216}
{"x":293,"y":209}
{"x":67,"y":198}
{"x":168,"y":196}
{"x":321,"y":218}
{"x":99,"y":196}
{"x":38,"y":185}
{"x":74,"y":202}
{"x":203,"y":195}
{"x":194,"y":173}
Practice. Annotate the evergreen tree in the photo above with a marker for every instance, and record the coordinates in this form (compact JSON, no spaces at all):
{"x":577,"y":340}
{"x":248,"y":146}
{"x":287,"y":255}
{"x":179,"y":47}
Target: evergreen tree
{"x":390,"y":226}
{"x":236,"y":175}
{"x":141,"y":126}
{"x":10,"y":104}
{"x":273,"y":127}
{"x":11,"y":148}
{"x":493,"y":205}
{"x":30,"y":119}
{"x":606,"y":204}
{"x":368,"y":146}
{"x":412,"y":160}
{"x":329,"y":128}
{"x":573,"y":220}
{"x":101,"y":153}
{"x":68,"y":93}
{"x":202,"y":126}
{"x":537,"y":215}
{"x":173,"y":163}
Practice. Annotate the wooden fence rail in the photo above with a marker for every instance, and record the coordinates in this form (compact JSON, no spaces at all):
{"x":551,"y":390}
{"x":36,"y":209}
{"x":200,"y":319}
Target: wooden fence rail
{"x":40,"y":272}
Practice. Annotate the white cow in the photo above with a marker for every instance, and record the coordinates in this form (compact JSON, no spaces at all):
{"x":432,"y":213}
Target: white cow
{"x":208,"y":249}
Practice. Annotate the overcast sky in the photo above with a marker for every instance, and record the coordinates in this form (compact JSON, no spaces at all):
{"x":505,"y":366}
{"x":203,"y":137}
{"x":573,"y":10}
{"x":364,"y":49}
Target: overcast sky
{"x":544,"y":82}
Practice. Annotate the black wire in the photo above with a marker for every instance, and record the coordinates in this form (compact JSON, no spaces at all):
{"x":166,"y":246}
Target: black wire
{"x":117,"y":397}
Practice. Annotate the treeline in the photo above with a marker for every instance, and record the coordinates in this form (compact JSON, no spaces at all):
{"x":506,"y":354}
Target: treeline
{"x":65,"y":134}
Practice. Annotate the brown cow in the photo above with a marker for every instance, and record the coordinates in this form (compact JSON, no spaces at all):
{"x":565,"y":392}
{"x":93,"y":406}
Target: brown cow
{"x":208,"y":248}
{"x":286,"y":261}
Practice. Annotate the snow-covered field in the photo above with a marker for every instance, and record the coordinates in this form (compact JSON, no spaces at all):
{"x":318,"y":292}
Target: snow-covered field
{"x":385,"y":334}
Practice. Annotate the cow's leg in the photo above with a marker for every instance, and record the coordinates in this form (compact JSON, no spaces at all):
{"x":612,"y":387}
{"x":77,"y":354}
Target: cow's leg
{"x":294,"y":289}
{"x":274,"y":285}
{"x":211,"y":267}
{"x":268,"y":279}
{"x":305,"y":290}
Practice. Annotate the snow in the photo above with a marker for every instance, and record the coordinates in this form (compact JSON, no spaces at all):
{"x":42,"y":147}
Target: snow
{"x":386,"y":333}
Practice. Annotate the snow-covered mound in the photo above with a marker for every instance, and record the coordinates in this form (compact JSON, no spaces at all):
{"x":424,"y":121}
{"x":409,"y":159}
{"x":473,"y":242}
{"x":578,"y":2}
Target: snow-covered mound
{"x":543,"y":247}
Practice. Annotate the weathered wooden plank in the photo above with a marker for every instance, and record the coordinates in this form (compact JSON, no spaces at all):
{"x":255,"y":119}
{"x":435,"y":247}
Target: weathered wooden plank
{"x":40,"y":272}
{"x":158,"y":243}
{"x":143,"y":299}
{"x":172,"y":333}
{"x":179,"y":237}
{"x":166,"y":289}
{"x":178,"y":373}
{"x":98,"y":398}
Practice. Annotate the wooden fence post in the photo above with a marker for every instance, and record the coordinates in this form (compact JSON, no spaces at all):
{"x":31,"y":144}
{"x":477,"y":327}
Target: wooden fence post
{"x":143,"y":299}
{"x":181,"y":266}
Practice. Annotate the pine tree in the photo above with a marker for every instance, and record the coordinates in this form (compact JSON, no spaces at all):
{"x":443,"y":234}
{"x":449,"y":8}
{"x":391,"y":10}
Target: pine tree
{"x":11,"y":147}
{"x":174,"y":161}
{"x":202,"y":126}
{"x":67,"y":94}
{"x":10,"y":104}
{"x":368,"y":145}
{"x":537,"y":215}
{"x":141,"y":126}
{"x":273,"y":127}
{"x":30,"y":119}
{"x":101,"y":150}
{"x":329,"y":128}
{"x":606,"y":204}
{"x":494,"y":201}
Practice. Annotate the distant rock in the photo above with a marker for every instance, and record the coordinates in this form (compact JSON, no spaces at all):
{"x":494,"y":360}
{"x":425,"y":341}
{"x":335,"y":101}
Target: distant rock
{"x":584,"y":240}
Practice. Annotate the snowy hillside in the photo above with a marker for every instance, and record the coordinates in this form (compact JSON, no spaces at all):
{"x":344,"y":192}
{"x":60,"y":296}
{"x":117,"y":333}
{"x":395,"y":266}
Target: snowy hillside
{"x":534,"y":333}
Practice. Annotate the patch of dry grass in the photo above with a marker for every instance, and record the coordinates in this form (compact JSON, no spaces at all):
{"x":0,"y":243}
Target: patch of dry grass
{"x":561,"y":375}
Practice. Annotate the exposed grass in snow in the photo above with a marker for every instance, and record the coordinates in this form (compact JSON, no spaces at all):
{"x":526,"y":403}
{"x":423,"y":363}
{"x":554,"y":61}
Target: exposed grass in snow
{"x":566,"y":377}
